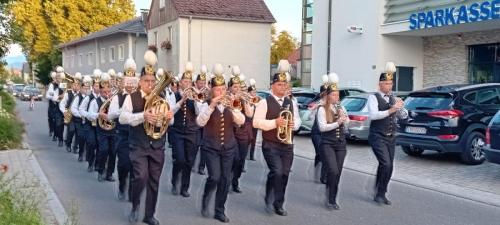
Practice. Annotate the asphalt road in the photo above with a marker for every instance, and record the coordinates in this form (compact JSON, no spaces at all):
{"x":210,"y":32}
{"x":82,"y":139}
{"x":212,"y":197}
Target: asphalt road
{"x":96,"y":203}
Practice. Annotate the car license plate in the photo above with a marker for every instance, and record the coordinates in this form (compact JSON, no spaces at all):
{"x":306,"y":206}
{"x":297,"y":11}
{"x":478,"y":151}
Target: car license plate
{"x":416,"y":130}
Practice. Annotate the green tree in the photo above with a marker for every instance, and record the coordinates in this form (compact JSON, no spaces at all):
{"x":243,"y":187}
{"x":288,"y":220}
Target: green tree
{"x":283,"y":45}
{"x":5,"y":39}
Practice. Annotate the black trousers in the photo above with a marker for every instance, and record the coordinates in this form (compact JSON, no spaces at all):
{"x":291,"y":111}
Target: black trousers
{"x":239,"y":161}
{"x":183,"y":155}
{"x":252,"y":143}
{"x":316,"y":140}
{"x":59,"y":125}
{"x":219,"y":164}
{"x":383,"y":148}
{"x":279,"y":159}
{"x":50,"y":116}
{"x":71,"y":133}
{"x":147,"y":166}
{"x":333,"y":156}
{"x":91,"y":144}
{"x":201,"y":163}
{"x":124,"y":166}
{"x":81,"y":133}
{"x":106,"y":155}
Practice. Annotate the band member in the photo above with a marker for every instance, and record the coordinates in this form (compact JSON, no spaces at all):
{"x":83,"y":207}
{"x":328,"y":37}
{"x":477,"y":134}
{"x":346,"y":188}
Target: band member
{"x":54,"y":84}
{"x":252,"y":90}
{"x":90,"y":125}
{"x":124,"y":167}
{"x":201,"y":86}
{"x":79,"y":120}
{"x":147,"y":154}
{"x":319,"y":172}
{"x":65,"y":107}
{"x":219,"y":143}
{"x":243,"y":132}
{"x":277,"y":152}
{"x":106,"y":155}
{"x":184,"y":132}
{"x":171,"y":92}
{"x":384,"y":109}
{"x":332,"y":121}
{"x":56,"y":98}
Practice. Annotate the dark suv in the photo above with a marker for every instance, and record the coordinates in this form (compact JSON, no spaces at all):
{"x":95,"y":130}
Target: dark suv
{"x":449,"y":118}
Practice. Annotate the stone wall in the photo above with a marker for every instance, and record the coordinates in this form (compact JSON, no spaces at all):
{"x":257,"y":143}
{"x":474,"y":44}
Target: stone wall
{"x":446,"y":56}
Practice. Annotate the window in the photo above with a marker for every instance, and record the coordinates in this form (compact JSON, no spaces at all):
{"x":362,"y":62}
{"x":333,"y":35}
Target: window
{"x":121,"y":53}
{"x":354,"y":104}
{"x":112,"y":56}
{"x":162,"y":3}
{"x":90,"y":58}
{"x":103,"y":55}
{"x":170,"y":34}
{"x":471,"y":97}
{"x":73,"y":61}
{"x":484,"y":63}
{"x":156,"y":38}
{"x":80,"y":60}
{"x":488,"y":97}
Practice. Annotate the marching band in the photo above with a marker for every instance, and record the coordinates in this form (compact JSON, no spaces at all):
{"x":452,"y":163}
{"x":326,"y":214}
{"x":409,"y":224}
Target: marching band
{"x":125,"y":117}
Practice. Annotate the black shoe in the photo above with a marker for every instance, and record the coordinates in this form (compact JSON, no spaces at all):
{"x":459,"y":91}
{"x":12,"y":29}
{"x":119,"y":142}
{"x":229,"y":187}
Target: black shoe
{"x":100,"y":177}
{"x":75,"y":150}
{"x":222,"y":218}
{"x":90,"y":169}
{"x":331,"y":206}
{"x":381,"y":199}
{"x":50,"y":134}
{"x":174,"y":190}
{"x":280,"y":211}
{"x":54,"y":138}
{"x":110,"y":178}
{"x":134,"y":216}
{"x":201,"y":172}
{"x":151,"y":221}
{"x":68,"y":149}
{"x":60,"y":144}
{"x":252,"y":159}
{"x":80,"y":158}
{"x":121,"y":196}
{"x":185,"y":194}
{"x":236,"y":189}
{"x":323,"y":180}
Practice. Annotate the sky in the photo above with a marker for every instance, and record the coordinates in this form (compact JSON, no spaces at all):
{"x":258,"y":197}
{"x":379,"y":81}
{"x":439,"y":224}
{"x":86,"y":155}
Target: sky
{"x":288,"y":14}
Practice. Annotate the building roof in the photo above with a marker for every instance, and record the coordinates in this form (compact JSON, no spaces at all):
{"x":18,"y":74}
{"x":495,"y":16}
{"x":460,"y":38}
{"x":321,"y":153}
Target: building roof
{"x":235,"y":10}
{"x":134,"y":26}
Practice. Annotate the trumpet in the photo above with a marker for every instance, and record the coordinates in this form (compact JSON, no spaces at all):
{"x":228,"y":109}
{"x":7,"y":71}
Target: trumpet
{"x":245,"y":96}
{"x":284,"y":133}
{"x":232,"y":102}
{"x":193,"y":94}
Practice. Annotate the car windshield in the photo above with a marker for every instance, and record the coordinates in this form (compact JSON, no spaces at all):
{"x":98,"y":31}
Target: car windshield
{"x":496,"y":119}
{"x":19,"y":88}
{"x":263,"y":95}
{"x":428,"y":101}
{"x":353,"y":104}
{"x":304,"y":98}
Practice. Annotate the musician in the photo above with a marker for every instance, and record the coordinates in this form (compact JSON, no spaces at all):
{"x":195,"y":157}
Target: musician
{"x":124,"y":167}
{"x":58,"y":116}
{"x":78,"y":120}
{"x":201,"y":86}
{"x":219,"y":144}
{"x":90,"y":125}
{"x":319,"y":173}
{"x":384,"y":110}
{"x":243,"y":133}
{"x":332,"y":122}
{"x":146,"y":153}
{"x":106,"y":155}
{"x":184,"y":132}
{"x":278,"y":154}
{"x":48,"y":95}
{"x":64,"y":107}
{"x":252,"y":90}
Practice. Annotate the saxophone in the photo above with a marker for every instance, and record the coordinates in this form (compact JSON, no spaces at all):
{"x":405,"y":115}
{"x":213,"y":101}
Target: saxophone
{"x":158,"y":106}
{"x":103,"y":123}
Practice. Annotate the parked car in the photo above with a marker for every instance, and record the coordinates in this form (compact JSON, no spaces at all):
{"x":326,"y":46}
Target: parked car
{"x":17,"y":89}
{"x":305,"y":112}
{"x":263,"y":94}
{"x":29,"y":91}
{"x":492,"y":148}
{"x":357,"y":109}
{"x":450,"y":118}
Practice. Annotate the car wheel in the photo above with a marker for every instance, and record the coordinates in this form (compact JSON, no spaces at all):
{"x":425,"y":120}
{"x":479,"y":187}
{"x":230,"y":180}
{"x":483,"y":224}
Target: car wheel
{"x":412,"y":151}
{"x":473,"y":153}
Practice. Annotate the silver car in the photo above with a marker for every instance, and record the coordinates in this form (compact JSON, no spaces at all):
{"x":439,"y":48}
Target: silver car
{"x":357,"y":108}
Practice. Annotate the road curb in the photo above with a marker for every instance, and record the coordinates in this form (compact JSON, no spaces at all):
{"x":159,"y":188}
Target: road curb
{"x":53,"y":201}
{"x":483,"y":197}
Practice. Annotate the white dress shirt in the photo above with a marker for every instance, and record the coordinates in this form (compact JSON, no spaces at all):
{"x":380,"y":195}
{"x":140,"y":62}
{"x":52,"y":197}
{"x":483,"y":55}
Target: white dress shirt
{"x":62,"y":103}
{"x":85,"y":104}
{"x":50,"y":91}
{"x":133,"y":119}
{"x":322,"y":123}
{"x":114,"y":107}
{"x":375,"y":114}
{"x":205,"y":111}
{"x":74,"y":106}
{"x":259,"y":119}
{"x":55,"y":95}
{"x":93,"y":112}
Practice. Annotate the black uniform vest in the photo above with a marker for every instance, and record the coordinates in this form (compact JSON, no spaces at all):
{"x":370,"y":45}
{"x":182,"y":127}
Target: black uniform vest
{"x":185,"y":117}
{"x":218,"y":132}
{"x":137,"y":134}
{"x":386,"y":126}
{"x":273,"y":111}
{"x":334,"y":136}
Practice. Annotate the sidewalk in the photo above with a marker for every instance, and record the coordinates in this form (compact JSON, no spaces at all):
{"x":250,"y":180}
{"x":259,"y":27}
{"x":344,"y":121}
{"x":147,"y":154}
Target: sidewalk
{"x":29,"y":178}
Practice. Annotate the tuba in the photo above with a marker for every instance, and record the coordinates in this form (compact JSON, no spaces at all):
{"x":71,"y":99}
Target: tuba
{"x":284,"y":133}
{"x":158,"y":106}
{"x":103,"y":123}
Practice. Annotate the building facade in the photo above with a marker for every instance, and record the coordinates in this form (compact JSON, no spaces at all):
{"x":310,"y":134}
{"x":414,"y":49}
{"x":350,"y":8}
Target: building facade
{"x":433,"y":42}
{"x":205,"y":32}
{"x":106,"y":49}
